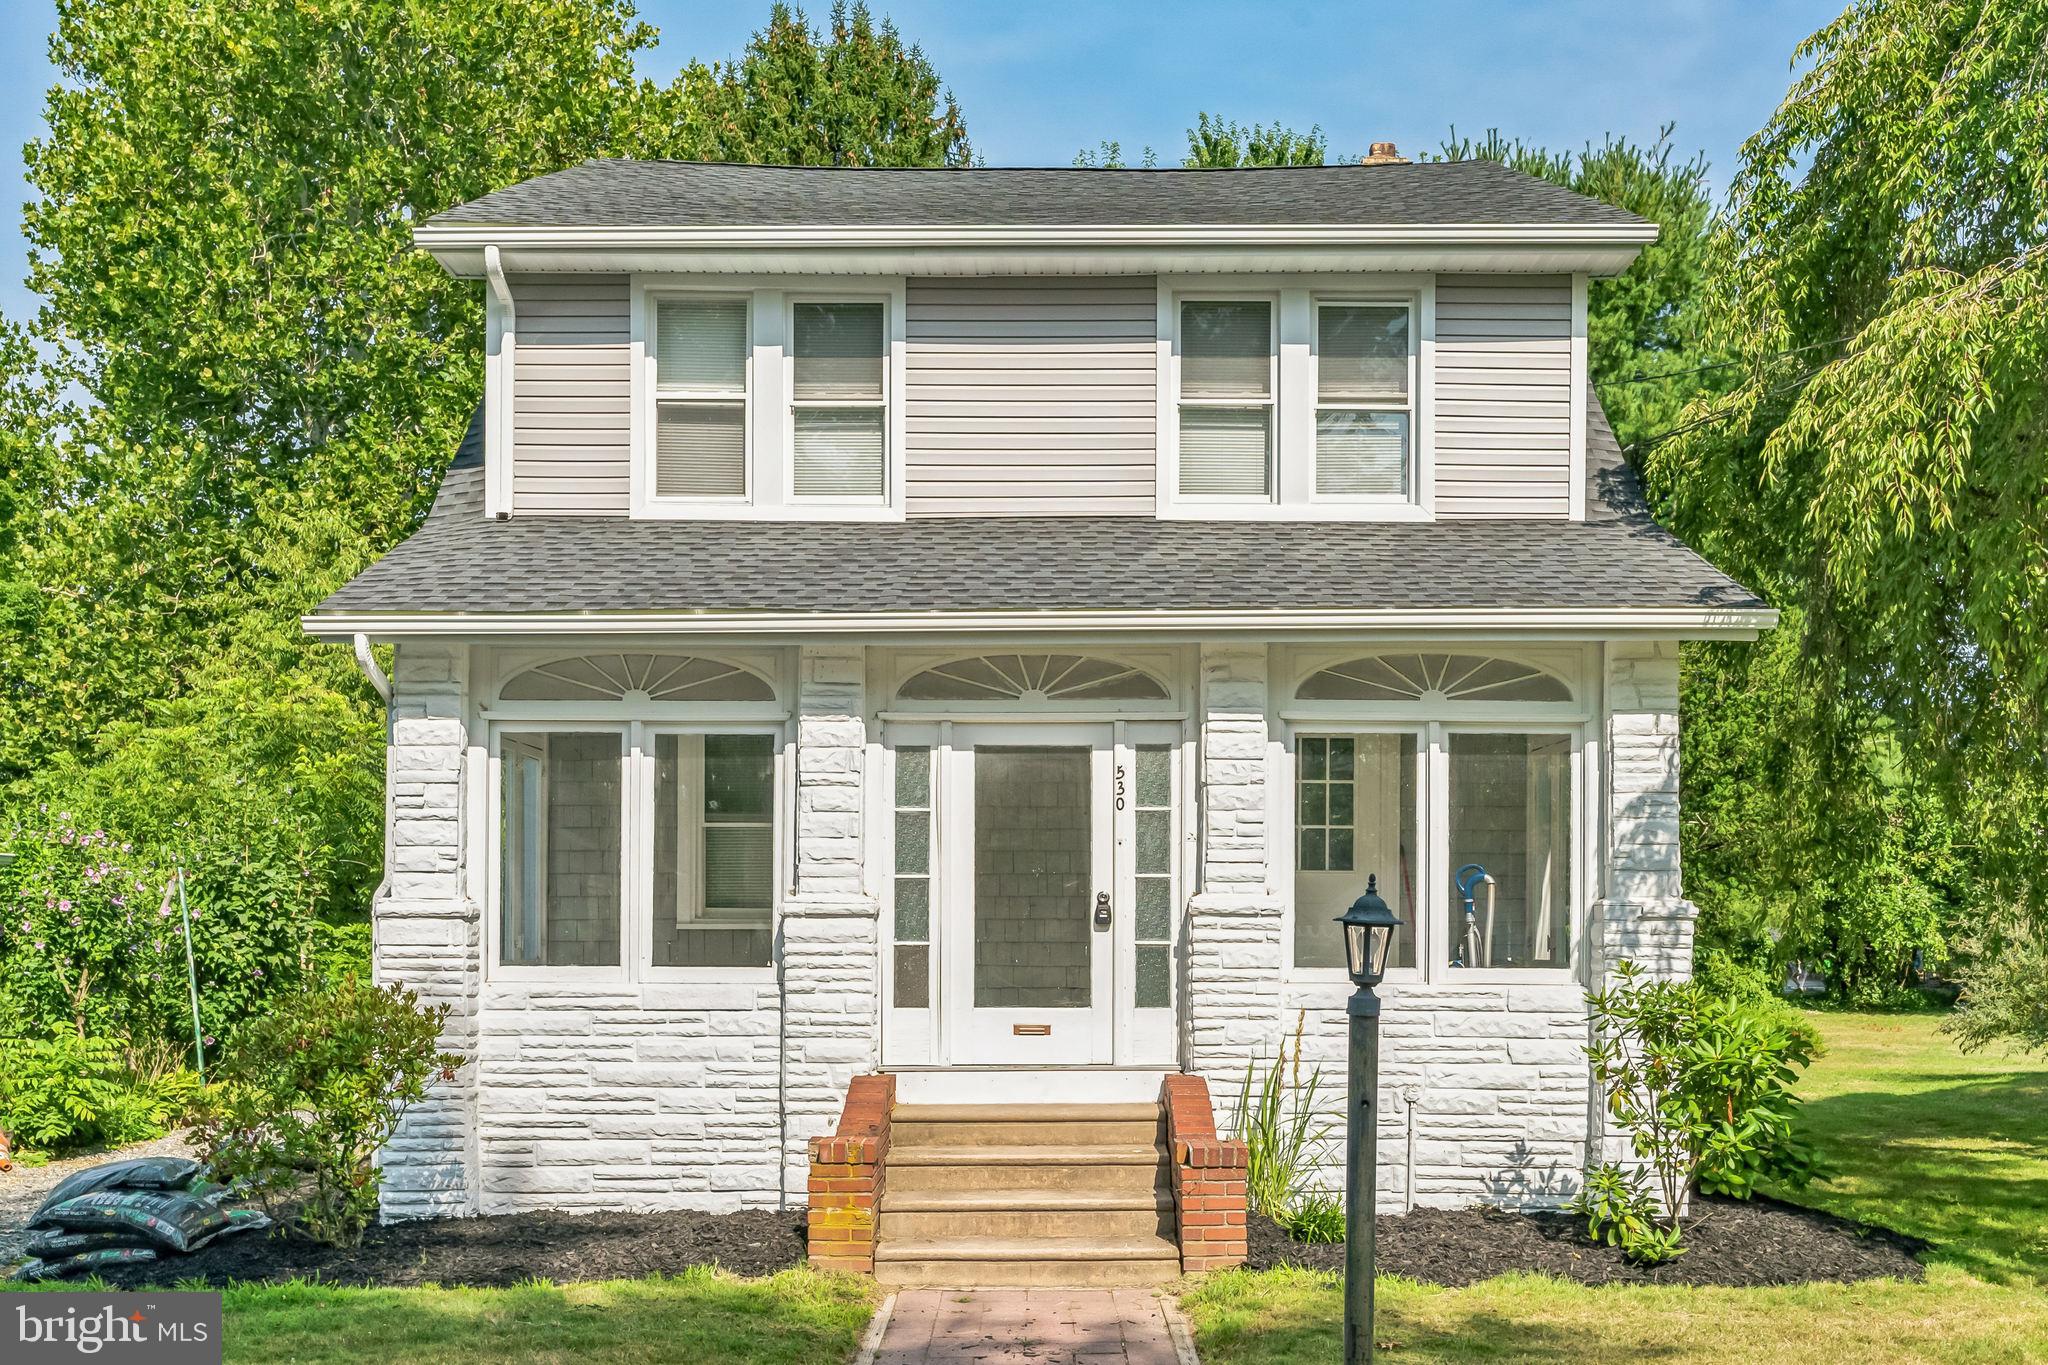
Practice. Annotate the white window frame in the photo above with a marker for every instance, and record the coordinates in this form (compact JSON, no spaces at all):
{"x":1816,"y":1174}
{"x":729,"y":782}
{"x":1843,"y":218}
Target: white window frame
{"x":770,"y":428}
{"x":1292,"y":494}
{"x":888,"y":403}
{"x":1405,"y":405}
{"x":1577,"y":665}
{"x":744,"y":395}
{"x":1271,"y":402}
{"x":687,"y":867}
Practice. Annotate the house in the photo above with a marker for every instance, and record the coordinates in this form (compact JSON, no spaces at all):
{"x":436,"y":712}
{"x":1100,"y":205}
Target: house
{"x":907,"y":664}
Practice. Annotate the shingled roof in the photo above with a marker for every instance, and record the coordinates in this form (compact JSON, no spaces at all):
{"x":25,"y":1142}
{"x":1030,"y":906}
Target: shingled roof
{"x":458,"y":562}
{"x":627,"y":194}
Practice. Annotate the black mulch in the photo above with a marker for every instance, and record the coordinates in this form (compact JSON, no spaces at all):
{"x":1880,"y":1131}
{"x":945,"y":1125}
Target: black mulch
{"x":505,"y":1249}
{"x":1728,"y":1242}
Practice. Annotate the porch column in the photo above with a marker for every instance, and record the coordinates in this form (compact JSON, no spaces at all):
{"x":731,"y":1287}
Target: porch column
{"x":1642,"y":915}
{"x":1235,"y":955}
{"x":830,"y":975}
{"x":425,"y":930}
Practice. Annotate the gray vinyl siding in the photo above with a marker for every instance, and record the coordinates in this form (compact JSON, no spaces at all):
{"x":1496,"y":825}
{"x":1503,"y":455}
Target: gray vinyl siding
{"x":1503,"y":395}
{"x":572,"y":413}
{"x":1031,"y":397}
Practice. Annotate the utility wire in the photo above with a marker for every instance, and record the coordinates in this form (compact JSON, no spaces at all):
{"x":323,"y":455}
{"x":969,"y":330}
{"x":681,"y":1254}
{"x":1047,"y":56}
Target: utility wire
{"x":1641,"y":378}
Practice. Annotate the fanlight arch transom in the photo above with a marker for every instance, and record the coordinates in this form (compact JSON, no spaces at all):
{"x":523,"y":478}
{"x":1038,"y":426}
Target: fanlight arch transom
{"x":1033,"y":677}
{"x":1434,"y":677}
{"x":636,"y":677}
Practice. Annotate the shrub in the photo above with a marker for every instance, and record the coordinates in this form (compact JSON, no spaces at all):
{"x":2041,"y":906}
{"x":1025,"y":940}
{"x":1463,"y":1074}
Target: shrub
{"x":1283,"y":1140}
{"x":2003,"y":1000}
{"x":315,"y":1086}
{"x":65,"y":1092}
{"x":1726,"y":976}
{"x":1701,"y":1086}
{"x":1620,"y":1211}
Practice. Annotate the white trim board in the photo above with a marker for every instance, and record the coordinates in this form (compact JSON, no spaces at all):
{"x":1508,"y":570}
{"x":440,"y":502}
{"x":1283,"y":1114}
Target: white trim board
{"x":1726,"y":623}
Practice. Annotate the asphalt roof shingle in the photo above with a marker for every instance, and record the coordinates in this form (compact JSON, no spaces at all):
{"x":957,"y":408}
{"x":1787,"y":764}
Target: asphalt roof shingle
{"x":624,"y":194}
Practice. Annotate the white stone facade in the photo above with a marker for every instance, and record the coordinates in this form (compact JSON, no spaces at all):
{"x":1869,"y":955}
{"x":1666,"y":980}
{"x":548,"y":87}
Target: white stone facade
{"x":587,"y":1091}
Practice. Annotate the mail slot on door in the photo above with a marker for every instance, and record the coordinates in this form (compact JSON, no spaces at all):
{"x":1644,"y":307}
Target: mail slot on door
{"x":1031,"y":1030}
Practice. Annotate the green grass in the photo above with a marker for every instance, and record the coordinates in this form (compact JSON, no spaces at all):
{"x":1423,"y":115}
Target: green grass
{"x":1922,"y":1138}
{"x":795,"y":1318}
{"x":1946,"y":1145}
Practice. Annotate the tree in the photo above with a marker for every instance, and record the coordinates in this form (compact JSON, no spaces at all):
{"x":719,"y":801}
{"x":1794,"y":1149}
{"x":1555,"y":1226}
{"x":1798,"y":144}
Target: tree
{"x":1643,"y":346}
{"x":1214,"y":144}
{"x":797,"y":98}
{"x":1881,"y":280}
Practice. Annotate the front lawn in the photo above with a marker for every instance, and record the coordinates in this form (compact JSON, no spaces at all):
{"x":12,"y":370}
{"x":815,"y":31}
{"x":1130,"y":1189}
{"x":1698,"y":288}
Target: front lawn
{"x":1926,"y":1140}
{"x":796,"y":1317}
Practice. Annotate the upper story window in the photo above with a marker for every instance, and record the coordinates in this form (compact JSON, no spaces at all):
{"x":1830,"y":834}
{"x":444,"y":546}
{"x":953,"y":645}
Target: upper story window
{"x":757,"y":402}
{"x":1227,"y":375}
{"x":1364,"y":386}
{"x":701,"y":361}
{"x":1304,"y":398}
{"x":839,"y":402}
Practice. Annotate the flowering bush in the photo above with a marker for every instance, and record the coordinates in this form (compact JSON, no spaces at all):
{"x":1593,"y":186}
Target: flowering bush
{"x":91,"y":940}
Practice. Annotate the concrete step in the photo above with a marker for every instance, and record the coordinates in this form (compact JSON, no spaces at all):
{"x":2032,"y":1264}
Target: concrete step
{"x":1021,"y":1125}
{"x":993,"y":1262}
{"x":1017,"y":1213}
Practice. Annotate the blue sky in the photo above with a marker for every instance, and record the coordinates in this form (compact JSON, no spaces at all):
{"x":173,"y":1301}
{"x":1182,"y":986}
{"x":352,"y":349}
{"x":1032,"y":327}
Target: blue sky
{"x":1041,"y":79}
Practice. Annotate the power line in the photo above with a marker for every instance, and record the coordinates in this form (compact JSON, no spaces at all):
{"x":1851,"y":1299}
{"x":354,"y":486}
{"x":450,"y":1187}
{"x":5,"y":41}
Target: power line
{"x":1640,"y":378}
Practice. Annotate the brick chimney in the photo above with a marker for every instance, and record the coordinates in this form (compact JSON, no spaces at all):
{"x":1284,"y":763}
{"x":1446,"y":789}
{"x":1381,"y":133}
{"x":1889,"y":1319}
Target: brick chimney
{"x":1383,"y":154}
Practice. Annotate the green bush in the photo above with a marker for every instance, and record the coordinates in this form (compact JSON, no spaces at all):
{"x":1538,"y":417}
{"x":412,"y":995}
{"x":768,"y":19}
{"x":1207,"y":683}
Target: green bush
{"x":1620,"y":1211}
{"x":1701,"y":1086}
{"x":1283,"y":1137}
{"x":1727,"y":976}
{"x":66,"y":1093}
{"x":312,"y":1088}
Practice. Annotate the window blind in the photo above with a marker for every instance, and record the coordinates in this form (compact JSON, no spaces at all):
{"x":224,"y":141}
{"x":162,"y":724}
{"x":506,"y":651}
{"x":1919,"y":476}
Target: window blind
{"x":700,"y":451}
{"x":839,"y":453}
{"x":700,"y":346}
{"x":1223,"y":451}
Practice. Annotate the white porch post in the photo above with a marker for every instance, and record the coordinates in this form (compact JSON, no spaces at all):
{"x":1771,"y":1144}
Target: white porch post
{"x":1642,"y":915}
{"x":830,"y":971}
{"x":425,"y":928}
{"x":1235,"y":956}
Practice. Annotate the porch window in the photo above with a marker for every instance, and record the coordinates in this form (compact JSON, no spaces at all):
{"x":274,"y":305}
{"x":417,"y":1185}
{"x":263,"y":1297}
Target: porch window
{"x":1355,"y":812}
{"x":913,"y":882}
{"x":1510,"y":822}
{"x":561,"y":849}
{"x":700,"y":398}
{"x":714,"y":850}
{"x":1226,"y":398}
{"x":839,"y":402}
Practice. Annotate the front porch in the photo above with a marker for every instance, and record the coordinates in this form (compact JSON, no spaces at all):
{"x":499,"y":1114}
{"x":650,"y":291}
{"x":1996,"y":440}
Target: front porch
{"x":682,"y":893}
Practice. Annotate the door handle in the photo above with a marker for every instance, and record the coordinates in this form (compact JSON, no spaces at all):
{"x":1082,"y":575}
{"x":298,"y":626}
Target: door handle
{"x":1102,"y":909}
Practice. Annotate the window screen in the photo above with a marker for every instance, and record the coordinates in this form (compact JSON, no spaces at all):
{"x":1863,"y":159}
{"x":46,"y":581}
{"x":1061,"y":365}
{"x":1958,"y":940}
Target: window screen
{"x":838,"y":394}
{"x":700,"y":376}
{"x":1226,"y":398}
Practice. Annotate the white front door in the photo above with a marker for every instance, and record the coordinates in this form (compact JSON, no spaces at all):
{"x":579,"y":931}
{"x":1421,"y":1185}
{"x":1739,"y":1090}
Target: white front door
{"x":1031,"y":945}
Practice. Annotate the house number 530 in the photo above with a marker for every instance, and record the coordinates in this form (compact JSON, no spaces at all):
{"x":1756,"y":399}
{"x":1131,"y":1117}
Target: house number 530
{"x":1119,"y":786}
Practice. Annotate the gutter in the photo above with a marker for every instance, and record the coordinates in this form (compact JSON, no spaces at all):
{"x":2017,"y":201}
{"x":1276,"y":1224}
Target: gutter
{"x":444,"y":236}
{"x":1586,"y":623}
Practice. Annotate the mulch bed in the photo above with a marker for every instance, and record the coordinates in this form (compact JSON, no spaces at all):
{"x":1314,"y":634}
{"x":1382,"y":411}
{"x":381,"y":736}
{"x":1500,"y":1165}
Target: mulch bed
{"x":506,"y":1249}
{"x":1728,"y":1242}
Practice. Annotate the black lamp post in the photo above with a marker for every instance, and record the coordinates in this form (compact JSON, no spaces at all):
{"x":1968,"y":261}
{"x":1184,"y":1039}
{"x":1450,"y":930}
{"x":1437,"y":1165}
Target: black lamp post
{"x":1369,"y":927}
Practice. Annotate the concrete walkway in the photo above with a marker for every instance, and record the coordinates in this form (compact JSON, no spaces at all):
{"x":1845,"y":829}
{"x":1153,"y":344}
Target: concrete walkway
{"x":1041,"y":1326}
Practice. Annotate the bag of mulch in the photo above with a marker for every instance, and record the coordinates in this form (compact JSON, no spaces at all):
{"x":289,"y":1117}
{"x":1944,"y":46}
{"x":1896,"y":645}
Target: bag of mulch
{"x":171,"y":1219}
{"x":85,"y":1263}
{"x":50,"y":1245}
{"x":212,"y":1191}
{"x":137,"y":1173}
{"x":239,"y":1220}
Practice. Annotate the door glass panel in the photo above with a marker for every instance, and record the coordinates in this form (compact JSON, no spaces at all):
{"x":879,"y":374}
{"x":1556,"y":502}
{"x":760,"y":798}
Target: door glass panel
{"x":1152,"y":930}
{"x":913,"y":878}
{"x":1033,"y":878}
{"x":1511,"y":822}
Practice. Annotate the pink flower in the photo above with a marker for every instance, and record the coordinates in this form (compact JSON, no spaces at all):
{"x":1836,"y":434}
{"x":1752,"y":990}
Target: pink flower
{"x":63,"y":905}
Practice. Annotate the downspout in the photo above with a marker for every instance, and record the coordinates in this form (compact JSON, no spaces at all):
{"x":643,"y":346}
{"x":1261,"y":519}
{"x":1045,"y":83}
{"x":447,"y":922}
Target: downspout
{"x":498,"y":437}
{"x":367,"y":661}
{"x":380,"y":682}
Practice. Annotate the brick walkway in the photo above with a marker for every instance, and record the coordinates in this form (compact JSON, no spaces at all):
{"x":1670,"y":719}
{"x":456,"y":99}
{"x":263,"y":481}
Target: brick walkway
{"x":1013,"y":1326}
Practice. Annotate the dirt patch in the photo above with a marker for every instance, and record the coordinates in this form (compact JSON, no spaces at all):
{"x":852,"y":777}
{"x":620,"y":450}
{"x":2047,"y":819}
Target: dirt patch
{"x":1728,"y":1242}
{"x":503,"y":1250}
